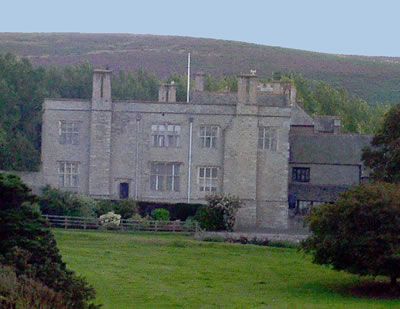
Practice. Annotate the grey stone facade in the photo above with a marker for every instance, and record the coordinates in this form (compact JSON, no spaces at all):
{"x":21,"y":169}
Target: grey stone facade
{"x":118,"y":153}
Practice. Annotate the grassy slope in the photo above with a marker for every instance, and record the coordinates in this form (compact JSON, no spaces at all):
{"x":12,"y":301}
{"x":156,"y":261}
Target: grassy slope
{"x":373,"y":78}
{"x":165,"y":270}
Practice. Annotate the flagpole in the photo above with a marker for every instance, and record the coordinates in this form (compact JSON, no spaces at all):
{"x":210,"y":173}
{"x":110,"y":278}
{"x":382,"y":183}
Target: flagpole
{"x":188,"y":80}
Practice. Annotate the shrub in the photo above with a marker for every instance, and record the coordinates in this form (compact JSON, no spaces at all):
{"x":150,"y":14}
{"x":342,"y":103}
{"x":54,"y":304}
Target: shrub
{"x":210,"y":219}
{"x":27,"y":245}
{"x":110,"y":220}
{"x":180,"y":211}
{"x":360,"y":233}
{"x":63,"y":203}
{"x":26,"y":293}
{"x":160,"y":214}
{"x":190,"y":223}
{"x":219,"y":214}
{"x":104,"y":206}
{"x":126,"y":208}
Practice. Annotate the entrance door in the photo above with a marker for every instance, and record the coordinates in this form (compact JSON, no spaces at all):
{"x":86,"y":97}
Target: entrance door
{"x":124,"y":190}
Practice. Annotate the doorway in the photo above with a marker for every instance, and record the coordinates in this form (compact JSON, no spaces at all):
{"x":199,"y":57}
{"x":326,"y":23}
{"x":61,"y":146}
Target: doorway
{"x":124,"y":190}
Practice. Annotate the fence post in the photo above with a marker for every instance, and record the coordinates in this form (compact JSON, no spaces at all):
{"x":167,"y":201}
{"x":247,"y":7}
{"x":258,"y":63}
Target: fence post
{"x":173,"y":226}
{"x":65,"y":222}
{"x":155,"y":226}
{"x":196,"y":227}
{"x":84,"y":223}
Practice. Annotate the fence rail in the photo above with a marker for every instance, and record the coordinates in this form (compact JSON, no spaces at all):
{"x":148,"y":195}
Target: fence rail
{"x":86,"y":223}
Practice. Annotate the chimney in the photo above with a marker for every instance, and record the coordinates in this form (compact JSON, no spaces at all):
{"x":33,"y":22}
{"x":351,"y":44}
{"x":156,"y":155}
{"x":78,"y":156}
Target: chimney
{"x":167,"y":92}
{"x":101,"y":94}
{"x":199,"y":81}
{"x":247,"y":88}
{"x":337,"y":125}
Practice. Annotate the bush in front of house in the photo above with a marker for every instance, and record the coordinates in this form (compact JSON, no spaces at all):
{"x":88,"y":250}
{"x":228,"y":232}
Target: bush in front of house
{"x":180,"y":211}
{"x":126,"y":208}
{"x":63,"y":203}
{"x":360,"y":232}
{"x":219,"y":214}
{"x":28,"y":246}
{"x":160,"y":214}
{"x":110,"y":220}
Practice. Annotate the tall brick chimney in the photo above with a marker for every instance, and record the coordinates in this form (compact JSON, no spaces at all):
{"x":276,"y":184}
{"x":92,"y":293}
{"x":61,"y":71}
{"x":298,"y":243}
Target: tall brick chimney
{"x":247,"y":88}
{"x":199,"y":81}
{"x":101,"y":94}
{"x":167,"y":92}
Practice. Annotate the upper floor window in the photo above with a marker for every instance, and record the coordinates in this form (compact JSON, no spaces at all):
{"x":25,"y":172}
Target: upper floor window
{"x":68,"y":174}
{"x":165,"y":176}
{"x":166,"y":135}
{"x":69,"y":132}
{"x":208,"y":179}
{"x":208,"y":136}
{"x":268,"y":138}
{"x":301,"y":174}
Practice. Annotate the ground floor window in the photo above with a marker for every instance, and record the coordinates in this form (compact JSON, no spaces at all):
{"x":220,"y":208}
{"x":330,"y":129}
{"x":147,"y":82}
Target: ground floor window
{"x":165,"y":176}
{"x":208,"y":179}
{"x":303,"y":207}
{"x":68,"y":174}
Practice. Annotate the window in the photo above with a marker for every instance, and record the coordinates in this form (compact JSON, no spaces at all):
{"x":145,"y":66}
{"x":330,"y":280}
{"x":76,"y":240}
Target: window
{"x":208,"y":179}
{"x":69,"y":132}
{"x":68,"y":174}
{"x":208,"y":136}
{"x":304,"y":207}
{"x":268,"y":138}
{"x":124,"y":190}
{"x":165,"y":176}
{"x":166,"y":135}
{"x":301,"y":174}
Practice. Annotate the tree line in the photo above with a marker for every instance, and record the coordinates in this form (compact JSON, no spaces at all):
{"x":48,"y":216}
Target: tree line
{"x":23,"y":88}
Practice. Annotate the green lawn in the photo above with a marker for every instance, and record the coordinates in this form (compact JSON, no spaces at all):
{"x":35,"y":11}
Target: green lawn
{"x":165,"y":270}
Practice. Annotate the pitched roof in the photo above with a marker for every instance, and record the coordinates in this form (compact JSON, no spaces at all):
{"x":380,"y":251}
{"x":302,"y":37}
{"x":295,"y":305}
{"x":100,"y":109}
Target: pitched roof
{"x":328,"y":148}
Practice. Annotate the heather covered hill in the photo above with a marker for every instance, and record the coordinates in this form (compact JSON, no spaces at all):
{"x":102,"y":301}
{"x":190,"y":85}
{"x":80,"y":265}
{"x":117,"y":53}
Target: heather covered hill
{"x":376,"y":79}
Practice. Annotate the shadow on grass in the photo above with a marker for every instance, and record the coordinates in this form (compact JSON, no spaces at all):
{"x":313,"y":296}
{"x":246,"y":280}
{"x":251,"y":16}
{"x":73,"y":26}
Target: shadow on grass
{"x":366,"y":289}
{"x":375,"y":290}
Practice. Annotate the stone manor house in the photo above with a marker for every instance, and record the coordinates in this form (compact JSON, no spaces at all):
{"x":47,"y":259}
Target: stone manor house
{"x":257,"y":144}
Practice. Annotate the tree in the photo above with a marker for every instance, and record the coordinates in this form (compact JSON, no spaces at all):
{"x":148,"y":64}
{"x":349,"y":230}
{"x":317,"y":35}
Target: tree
{"x":27,"y":245}
{"x":360,"y":233}
{"x":383,"y":158}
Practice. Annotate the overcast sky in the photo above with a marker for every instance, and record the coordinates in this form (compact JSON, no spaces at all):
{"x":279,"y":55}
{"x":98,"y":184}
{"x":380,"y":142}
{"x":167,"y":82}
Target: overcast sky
{"x":362,"y":27}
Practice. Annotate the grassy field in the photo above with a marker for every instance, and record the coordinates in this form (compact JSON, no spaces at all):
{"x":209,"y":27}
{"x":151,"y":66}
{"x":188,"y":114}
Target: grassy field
{"x":166,"y":270}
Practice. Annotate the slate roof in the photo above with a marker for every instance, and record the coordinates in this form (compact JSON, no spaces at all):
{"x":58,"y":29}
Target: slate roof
{"x":300,"y":117}
{"x":272,"y":100}
{"x":327,"y":148}
{"x":206,"y":97}
{"x":230,"y":98}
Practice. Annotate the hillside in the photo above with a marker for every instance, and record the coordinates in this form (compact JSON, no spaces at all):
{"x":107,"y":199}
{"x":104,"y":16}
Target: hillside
{"x":376,"y":79}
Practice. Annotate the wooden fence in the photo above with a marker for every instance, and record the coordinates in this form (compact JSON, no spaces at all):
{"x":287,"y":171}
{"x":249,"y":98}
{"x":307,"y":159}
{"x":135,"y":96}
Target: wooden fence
{"x":69,"y":222}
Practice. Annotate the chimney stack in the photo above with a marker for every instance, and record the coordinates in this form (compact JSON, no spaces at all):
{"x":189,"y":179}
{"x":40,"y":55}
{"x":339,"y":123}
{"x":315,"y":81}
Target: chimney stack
{"x":199,"y":81}
{"x":167,"y":93}
{"x":101,"y":93}
{"x":247,"y":88}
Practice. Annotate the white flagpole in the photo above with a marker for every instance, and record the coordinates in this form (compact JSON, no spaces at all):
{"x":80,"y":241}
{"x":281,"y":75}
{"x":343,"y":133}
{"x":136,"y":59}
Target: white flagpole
{"x":188,"y":80}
